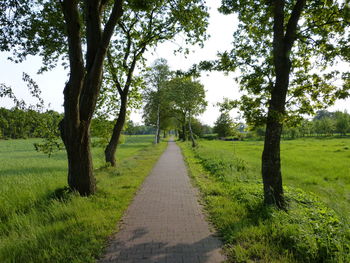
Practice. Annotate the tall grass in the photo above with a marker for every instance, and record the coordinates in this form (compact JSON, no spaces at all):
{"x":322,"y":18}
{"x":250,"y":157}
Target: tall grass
{"x":41,"y":221}
{"x":314,"y":228}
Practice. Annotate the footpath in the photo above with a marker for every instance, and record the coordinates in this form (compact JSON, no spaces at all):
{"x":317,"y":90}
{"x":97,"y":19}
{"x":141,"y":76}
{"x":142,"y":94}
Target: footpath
{"x":165,"y":223}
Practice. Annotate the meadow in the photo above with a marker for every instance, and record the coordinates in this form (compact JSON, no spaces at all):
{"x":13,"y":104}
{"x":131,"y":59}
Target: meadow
{"x":42,"y":221}
{"x":316,"y":174}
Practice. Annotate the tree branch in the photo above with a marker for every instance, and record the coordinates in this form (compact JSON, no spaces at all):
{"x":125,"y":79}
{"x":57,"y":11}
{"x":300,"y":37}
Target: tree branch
{"x":77,"y":71}
{"x":290,"y":35}
{"x":112,"y":71}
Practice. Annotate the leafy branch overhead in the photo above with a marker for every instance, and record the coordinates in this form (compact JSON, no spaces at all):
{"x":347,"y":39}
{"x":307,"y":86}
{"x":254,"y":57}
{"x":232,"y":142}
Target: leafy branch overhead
{"x":321,"y":43}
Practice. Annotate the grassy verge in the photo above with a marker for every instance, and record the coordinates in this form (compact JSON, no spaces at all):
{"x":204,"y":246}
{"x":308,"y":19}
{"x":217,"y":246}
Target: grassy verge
{"x":42,"y":222}
{"x":310,"y":231}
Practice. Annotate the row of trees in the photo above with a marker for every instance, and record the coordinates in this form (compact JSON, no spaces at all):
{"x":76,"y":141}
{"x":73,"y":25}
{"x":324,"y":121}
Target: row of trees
{"x":19,"y":124}
{"x":172,"y":100}
{"x":324,"y":123}
{"x":284,"y":51}
{"x":132,"y":128}
{"x":90,"y":36}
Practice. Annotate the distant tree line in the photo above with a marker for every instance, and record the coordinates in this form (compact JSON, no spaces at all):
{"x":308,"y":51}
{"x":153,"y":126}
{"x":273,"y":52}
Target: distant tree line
{"x":20,"y":124}
{"x":132,"y":128}
{"x":324,"y":123}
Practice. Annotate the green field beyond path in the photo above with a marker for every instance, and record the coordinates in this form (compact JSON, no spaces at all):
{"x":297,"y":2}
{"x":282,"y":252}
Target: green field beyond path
{"x":321,"y":166}
{"x":316,"y":176}
{"x":42,"y":222}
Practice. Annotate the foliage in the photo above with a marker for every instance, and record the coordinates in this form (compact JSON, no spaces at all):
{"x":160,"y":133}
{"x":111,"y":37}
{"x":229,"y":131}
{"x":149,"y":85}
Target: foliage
{"x":199,"y":129}
{"x":33,"y":28}
{"x":16,"y":123}
{"x":186,"y":96}
{"x":48,"y":129}
{"x":320,"y":43}
{"x":42,"y":221}
{"x":324,"y":123}
{"x":224,"y":125}
{"x":144,"y":25}
{"x":136,"y":129}
{"x":310,"y":231}
{"x":342,"y":124}
{"x":157,"y":110}
{"x":101,"y":129}
{"x":187,"y":100}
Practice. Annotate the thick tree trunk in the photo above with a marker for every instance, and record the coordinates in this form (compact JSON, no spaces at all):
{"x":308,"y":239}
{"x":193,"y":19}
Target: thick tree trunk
{"x":164,"y":134}
{"x":80,"y":169}
{"x":283,"y":40}
{"x":118,"y":127}
{"x":191,"y":133}
{"x":82,"y":90}
{"x":271,"y":164}
{"x":271,"y":161}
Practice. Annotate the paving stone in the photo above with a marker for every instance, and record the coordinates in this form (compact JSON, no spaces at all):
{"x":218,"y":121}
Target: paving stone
{"x":165,"y":222}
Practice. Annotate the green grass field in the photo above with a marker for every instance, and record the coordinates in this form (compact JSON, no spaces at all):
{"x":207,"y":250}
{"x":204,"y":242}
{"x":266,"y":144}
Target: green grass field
{"x":41,"y":221}
{"x":316,"y":174}
{"x":321,"y":166}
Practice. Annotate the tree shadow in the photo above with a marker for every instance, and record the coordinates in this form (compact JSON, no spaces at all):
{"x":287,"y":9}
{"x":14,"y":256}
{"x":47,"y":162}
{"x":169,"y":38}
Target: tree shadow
{"x":134,"y":249}
{"x":61,"y":194}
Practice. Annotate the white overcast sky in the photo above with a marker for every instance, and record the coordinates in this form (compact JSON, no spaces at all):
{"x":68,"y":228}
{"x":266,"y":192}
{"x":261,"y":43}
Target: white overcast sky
{"x":217,"y":85}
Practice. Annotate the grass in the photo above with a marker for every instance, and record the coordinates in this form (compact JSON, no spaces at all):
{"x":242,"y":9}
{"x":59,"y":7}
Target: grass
{"x":315,"y":228}
{"x":41,"y":221}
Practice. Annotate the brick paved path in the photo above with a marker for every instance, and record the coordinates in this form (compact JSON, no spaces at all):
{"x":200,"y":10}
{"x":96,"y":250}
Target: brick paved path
{"x":165,"y":223}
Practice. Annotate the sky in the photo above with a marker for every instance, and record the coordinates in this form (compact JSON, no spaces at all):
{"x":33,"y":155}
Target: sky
{"x":217,"y":84}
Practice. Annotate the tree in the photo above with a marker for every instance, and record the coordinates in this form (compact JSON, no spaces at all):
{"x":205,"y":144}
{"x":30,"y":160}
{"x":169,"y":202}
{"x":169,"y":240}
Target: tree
{"x":224,"y":125}
{"x":187,"y":98}
{"x":80,"y":33}
{"x":198,"y":128}
{"x":342,"y":122}
{"x":139,"y":30}
{"x":82,"y":89}
{"x":278,"y":46}
{"x":157,"y":108}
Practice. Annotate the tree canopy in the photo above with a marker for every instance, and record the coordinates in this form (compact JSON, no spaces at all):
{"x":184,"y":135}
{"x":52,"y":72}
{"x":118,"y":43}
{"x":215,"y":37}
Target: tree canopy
{"x":320,"y":42}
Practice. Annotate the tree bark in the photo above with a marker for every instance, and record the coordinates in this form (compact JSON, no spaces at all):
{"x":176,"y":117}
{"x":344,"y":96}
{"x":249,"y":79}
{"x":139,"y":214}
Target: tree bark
{"x":191,"y":133}
{"x":118,"y":127}
{"x":82,"y":89}
{"x":183,"y":133}
{"x":282,"y":45}
{"x":80,"y":169}
{"x":157,"y":137}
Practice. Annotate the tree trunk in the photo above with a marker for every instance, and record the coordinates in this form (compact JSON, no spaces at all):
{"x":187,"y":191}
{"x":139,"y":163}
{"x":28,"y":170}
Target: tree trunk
{"x":271,"y":164}
{"x":82,"y":90}
{"x":282,"y":45}
{"x":80,"y":170}
{"x":164,"y":134}
{"x":118,"y":127}
{"x":183,"y":132}
{"x":191,"y":133}
{"x":157,"y":137}
{"x":271,"y":161}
